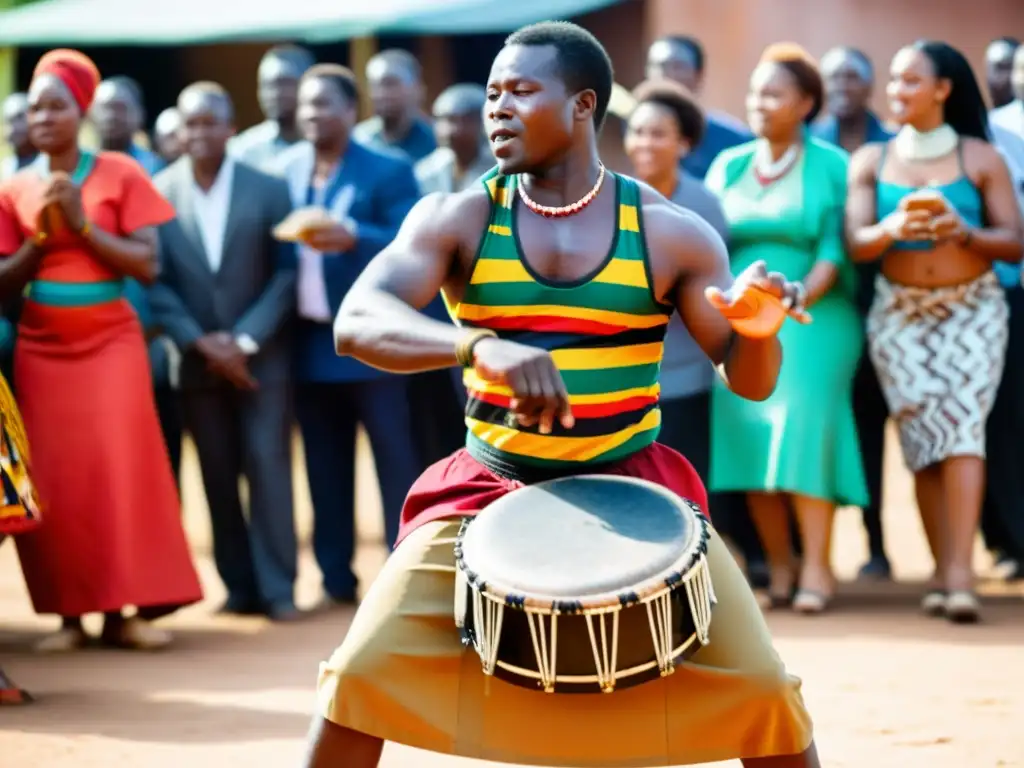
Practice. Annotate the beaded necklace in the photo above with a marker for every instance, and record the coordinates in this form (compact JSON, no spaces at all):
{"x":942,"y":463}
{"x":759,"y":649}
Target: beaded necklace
{"x":555,"y":212}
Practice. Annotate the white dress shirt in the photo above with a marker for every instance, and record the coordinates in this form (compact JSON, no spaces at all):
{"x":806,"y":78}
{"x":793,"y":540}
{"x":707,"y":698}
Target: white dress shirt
{"x":313,"y":301}
{"x":1009,"y":117}
{"x":211,"y":209}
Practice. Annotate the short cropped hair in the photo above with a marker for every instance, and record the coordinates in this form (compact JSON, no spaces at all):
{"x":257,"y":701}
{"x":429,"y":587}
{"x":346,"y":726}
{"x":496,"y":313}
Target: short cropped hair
{"x":343,"y":78}
{"x":689,"y":44}
{"x":678,"y":100}
{"x":799,"y":63}
{"x":294,"y":54}
{"x":1012,"y":42}
{"x":863,"y":61}
{"x":461,"y":99}
{"x":213,"y":90}
{"x":130,"y":86}
{"x":583,"y":62}
{"x":400,"y":58}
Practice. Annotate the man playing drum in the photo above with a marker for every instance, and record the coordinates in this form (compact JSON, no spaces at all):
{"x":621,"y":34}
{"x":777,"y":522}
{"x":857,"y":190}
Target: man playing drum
{"x":562,"y":277}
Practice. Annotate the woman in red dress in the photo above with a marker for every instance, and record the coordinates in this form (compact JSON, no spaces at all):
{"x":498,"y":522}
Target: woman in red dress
{"x":73,"y":225}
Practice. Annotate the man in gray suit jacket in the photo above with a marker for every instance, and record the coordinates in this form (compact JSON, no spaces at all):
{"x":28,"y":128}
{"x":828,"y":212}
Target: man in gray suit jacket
{"x":225,"y":296}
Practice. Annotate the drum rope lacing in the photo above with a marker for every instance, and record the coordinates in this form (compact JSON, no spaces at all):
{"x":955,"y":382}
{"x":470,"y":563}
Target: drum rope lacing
{"x":489,"y":610}
{"x":488,"y":615}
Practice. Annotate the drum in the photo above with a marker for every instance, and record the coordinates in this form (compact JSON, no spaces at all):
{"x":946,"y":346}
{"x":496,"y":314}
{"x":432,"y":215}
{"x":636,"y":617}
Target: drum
{"x":584,"y":584}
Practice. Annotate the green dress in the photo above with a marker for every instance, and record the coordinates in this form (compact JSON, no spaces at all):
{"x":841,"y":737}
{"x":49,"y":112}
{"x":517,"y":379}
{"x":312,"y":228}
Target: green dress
{"x":802,"y":439}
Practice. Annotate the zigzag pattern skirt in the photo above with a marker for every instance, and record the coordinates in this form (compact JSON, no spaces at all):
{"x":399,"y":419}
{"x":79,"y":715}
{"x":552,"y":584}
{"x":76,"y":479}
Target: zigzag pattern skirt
{"x":939,"y":355}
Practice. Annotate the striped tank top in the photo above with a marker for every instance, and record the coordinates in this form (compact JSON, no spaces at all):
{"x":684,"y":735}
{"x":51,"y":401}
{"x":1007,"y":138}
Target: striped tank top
{"x":605,"y":333}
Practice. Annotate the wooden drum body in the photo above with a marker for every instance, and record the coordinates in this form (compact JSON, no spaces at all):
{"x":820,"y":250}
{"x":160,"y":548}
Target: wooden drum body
{"x":584,"y":584}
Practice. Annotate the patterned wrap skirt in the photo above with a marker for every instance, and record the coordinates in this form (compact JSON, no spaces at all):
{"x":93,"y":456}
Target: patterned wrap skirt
{"x":939,"y":355}
{"x":19,"y":505}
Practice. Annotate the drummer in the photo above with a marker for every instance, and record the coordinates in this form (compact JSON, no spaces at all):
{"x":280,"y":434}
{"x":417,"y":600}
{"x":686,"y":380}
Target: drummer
{"x":562,"y":276}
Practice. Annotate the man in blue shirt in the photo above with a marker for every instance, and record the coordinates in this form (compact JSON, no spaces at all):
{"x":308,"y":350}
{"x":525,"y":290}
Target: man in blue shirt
{"x":15,"y":120}
{"x":396,"y":90}
{"x":119,"y":114}
{"x":21,"y":153}
{"x":998,"y":66}
{"x":849,"y":79}
{"x":399,"y":127}
{"x":277,"y":87}
{"x":681,"y":58}
{"x":1002,"y":517}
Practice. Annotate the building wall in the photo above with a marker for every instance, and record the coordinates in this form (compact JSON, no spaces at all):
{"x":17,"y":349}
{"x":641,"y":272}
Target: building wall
{"x":621,"y":29}
{"x":734,"y":32}
{"x":234,"y":67}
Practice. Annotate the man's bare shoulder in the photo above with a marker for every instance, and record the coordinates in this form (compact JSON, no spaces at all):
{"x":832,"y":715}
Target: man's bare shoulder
{"x":674,"y":232}
{"x":454,"y":213}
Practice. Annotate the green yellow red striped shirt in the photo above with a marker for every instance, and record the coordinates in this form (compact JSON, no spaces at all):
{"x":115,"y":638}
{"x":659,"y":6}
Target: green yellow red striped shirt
{"x":605,"y":332}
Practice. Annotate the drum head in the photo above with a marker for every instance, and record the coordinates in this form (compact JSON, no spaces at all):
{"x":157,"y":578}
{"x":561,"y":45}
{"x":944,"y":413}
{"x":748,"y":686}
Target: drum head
{"x":579,"y":537}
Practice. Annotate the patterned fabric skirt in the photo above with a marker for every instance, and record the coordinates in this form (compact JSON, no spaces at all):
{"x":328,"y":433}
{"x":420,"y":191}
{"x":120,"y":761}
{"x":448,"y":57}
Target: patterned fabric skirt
{"x":19,"y":506}
{"x":939,"y":355}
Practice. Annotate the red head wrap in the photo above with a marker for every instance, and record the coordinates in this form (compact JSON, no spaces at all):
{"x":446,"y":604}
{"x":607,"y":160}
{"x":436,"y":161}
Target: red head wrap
{"x":75,"y":70}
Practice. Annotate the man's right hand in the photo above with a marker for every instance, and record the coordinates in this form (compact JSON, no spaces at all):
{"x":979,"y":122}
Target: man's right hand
{"x":224,"y":358}
{"x":538,"y":392}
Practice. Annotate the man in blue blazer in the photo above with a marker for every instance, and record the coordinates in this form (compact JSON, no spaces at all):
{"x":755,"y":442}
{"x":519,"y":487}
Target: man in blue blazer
{"x":368,"y":193}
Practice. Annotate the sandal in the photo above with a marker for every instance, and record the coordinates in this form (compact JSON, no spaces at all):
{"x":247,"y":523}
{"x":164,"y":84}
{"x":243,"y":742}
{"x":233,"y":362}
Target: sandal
{"x":64,"y":640}
{"x":809,"y":602}
{"x":134,"y":634}
{"x":934,"y":603}
{"x":775,"y":601}
{"x":962,"y":607}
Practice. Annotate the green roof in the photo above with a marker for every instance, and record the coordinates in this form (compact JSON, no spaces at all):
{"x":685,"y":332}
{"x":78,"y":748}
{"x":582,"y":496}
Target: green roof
{"x":184,"y":22}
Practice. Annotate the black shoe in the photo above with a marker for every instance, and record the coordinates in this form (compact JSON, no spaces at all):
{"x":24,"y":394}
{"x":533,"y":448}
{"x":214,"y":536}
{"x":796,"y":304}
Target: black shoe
{"x":237,"y":606}
{"x":1008,"y":568}
{"x":758,"y":574}
{"x":284,"y":613}
{"x":876,"y":569}
{"x":330,"y":603}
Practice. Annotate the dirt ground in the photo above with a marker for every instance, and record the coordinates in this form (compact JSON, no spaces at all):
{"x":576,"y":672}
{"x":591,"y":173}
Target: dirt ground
{"x":887,"y":687}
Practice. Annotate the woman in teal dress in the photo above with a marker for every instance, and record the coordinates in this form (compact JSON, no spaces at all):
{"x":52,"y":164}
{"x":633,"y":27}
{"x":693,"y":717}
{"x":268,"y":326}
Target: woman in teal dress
{"x":783,"y":195}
